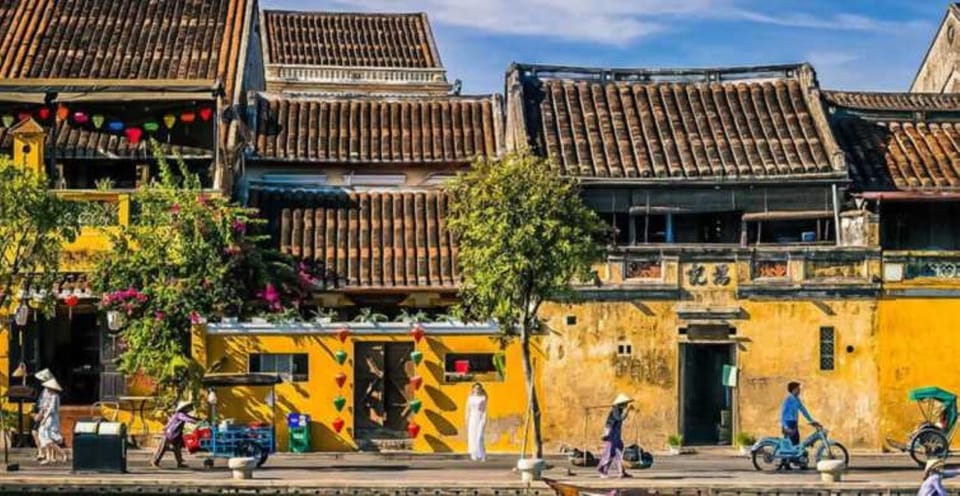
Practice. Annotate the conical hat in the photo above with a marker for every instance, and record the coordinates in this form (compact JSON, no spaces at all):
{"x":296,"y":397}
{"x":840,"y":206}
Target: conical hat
{"x":184,"y":405}
{"x":935,"y":464}
{"x":52,"y":384}
{"x":622,"y":399}
{"x":44,"y":375}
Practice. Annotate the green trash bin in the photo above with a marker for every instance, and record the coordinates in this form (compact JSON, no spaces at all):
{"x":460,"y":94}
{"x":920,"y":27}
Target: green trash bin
{"x":300,"y":439}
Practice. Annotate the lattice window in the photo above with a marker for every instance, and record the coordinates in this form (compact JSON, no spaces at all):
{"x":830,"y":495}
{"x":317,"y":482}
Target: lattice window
{"x":827,"y":348}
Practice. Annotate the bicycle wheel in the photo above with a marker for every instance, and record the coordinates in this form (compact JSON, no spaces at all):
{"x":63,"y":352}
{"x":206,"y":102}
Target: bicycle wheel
{"x":833,"y":451}
{"x":929,"y":444}
{"x":765,"y":458}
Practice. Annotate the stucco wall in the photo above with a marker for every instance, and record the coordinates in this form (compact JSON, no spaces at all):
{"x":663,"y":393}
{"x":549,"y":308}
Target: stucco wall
{"x":442,"y":416}
{"x":938,"y":70}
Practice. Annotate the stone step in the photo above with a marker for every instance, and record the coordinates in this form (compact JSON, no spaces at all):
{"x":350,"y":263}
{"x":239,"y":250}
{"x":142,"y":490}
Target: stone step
{"x":385,"y":445}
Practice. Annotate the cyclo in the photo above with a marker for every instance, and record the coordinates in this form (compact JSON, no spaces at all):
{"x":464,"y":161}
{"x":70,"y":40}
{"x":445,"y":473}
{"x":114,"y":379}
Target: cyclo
{"x":931,"y":438}
{"x":770,"y":452}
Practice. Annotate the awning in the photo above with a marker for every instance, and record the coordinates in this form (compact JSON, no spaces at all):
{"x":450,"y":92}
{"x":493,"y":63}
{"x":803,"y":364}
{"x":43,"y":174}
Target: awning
{"x":788,"y":215}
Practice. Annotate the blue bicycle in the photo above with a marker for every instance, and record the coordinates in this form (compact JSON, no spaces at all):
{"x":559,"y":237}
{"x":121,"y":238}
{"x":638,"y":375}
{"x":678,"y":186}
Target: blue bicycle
{"x":770,"y":453}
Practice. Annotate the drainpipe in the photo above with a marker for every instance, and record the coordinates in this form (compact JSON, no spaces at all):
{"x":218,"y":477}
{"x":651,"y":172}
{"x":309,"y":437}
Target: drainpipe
{"x":836,"y":215}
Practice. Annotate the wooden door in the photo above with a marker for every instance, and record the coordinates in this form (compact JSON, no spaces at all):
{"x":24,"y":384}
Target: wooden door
{"x":381,"y":372}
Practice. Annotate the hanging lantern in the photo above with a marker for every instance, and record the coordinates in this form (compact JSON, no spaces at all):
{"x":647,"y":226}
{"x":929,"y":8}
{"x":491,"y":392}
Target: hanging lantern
{"x":43,"y":113}
{"x":81,"y":118}
{"x":413,"y":429}
{"x":97,"y":121}
{"x":115,"y":320}
{"x":71,"y":302}
{"x":342,"y":334}
{"x":22,"y":316}
{"x":169,"y":120}
{"x":416,"y":381}
{"x":206,"y":113}
{"x":417,"y":332}
{"x":22,"y":116}
{"x":62,"y":112}
{"x":338,"y":424}
{"x":115,"y":126}
{"x":340,"y":356}
{"x":151,"y":126}
{"x":8,"y":120}
{"x":133,"y":135}
{"x":339,"y":402}
{"x":415,"y":406}
{"x":188,"y":117}
{"x":340,"y":379}
{"x":417,"y":357}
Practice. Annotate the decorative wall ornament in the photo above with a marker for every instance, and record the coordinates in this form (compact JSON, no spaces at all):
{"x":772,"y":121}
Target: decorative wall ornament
{"x":721,"y":274}
{"x":697,"y":275}
{"x":770,"y":269}
{"x":642,"y":269}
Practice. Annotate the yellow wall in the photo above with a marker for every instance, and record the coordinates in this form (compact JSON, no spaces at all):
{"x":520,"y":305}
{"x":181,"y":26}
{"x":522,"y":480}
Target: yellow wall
{"x":441,"y":418}
{"x":777,"y":341}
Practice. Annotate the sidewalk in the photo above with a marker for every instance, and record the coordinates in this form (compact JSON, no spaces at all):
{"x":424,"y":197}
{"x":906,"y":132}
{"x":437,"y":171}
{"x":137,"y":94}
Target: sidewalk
{"x":403,"y":473}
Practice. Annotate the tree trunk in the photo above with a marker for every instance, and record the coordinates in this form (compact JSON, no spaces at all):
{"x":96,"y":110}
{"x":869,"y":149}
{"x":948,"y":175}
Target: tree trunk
{"x":533,"y":403}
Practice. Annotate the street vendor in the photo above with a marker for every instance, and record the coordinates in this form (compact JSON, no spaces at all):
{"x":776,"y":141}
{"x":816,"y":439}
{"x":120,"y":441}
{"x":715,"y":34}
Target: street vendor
{"x":790,"y":417}
{"x":933,"y":476}
{"x":173,"y":434}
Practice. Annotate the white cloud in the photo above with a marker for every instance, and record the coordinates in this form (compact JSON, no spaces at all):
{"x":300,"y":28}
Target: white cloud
{"x":613,"y":22}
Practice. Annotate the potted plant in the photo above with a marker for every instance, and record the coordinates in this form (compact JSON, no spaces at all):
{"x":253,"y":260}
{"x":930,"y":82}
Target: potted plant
{"x":121,"y":305}
{"x":674,"y":443}
{"x":744,"y":442}
{"x":325,"y":315}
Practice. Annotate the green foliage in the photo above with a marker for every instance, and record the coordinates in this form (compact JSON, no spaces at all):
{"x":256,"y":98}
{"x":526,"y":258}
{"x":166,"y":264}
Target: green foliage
{"x":745,"y":439}
{"x":34,"y":225}
{"x":367,"y":315}
{"x":193,"y":255}
{"x":675,"y":440}
{"x":524,"y":235}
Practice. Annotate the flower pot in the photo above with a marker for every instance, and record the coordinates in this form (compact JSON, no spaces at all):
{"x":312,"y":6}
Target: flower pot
{"x":531,"y":469}
{"x":673,"y":450}
{"x":229,"y":320}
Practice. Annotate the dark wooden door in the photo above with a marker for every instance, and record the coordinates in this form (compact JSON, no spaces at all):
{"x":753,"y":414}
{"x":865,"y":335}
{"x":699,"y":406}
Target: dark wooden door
{"x":112,"y":383}
{"x":381,"y":372}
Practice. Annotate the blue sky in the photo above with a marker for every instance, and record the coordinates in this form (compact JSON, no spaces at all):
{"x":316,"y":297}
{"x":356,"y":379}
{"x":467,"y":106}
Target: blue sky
{"x":853,"y":44}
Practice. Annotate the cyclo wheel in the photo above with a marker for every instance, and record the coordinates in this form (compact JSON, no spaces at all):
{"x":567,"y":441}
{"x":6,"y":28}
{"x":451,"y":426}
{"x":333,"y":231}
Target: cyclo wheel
{"x":833,"y":451}
{"x":929,"y":444}
{"x":765,"y":458}
{"x":251,"y":449}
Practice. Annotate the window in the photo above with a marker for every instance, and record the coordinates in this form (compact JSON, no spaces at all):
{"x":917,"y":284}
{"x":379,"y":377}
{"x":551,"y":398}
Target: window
{"x":919,"y":226}
{"x":291,"y":367}
{"x":461,"y":367}
{"x":571,"y":320}
{"x":791,"y":231}
{"x":827,"y":347}
{"x":619,"y":223}
{"x":624,"y":349}
{"x":707,"y":227}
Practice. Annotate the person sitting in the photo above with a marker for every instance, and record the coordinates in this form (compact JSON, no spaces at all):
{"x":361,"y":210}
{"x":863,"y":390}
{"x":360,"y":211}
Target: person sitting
{"x":790,"y":416}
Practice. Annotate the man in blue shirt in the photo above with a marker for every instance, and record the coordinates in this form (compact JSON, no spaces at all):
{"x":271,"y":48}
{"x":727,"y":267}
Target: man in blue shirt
{"x":790,"y":416}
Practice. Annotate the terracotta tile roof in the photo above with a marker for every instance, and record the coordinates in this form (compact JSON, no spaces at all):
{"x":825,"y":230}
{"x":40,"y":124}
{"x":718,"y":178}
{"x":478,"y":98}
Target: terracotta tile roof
{"x":893,"y":101}
{"x":912,"y":145}
{"x":349,"y":39}
{"x":78,"y":143}
{"x":110,"y":39}
{"x":375,"y":239}
{"x":409,"y":130}
{"x":690,"y":125}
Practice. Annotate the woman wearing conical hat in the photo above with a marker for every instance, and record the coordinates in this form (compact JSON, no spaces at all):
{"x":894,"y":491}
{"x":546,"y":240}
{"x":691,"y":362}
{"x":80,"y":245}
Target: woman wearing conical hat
{"x":42,"y":376}
{"x":933,"y":476}
{"x":613,"y":437}
{"x":49,"y":419}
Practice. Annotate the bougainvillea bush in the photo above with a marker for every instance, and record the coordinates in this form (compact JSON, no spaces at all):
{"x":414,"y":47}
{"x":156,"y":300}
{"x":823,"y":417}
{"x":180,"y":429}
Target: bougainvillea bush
{"x":187,"y":256}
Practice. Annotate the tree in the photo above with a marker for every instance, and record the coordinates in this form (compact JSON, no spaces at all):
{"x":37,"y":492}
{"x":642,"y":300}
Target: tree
{"x":34,"y":225}
{"x":524,"y":235}
{"x":188,"y":256}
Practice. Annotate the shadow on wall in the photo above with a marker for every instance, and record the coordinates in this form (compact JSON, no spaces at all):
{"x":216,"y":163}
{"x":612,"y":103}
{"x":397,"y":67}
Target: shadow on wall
{"x":440,"y":399}
{"x":444,"y":426}
{"x":436,"y":445}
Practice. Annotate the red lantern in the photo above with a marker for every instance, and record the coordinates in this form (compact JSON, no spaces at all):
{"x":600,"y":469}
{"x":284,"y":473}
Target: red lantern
{"x":342,"y":334}
{"x":340,"y":379}
{"x":417,"y":332}
{"x":188,"y":117}
{"x":43,"y":113}
{"x":338,"y":424}
{"x":81,"y":118}
{"x":71,"y":302}
{"x":133,"y":134}
{"x":62,"y":112}
{"x":413,"y":429}
{"x":206,"y":113}
{"x":416,"y":381}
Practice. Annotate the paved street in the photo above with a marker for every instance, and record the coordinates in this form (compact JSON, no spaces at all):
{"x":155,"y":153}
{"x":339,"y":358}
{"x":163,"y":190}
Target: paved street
{"x":713,"y":469}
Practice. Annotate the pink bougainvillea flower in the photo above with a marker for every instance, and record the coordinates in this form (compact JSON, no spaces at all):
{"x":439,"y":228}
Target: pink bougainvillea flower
{"x":159,"y":315}
{"x":239,"y":227}
{"x":271,"y":296}
{"x":195,"y":318}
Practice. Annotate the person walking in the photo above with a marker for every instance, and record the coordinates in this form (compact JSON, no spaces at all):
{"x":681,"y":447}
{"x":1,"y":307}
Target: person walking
{"x":933,"y":476}
{"x":476,"y":420}
{"x":790,"y":413}
{"x":173,"y":435}
{"x":41,"y":377}
{"x":48,"y":418}
{"x":613,"y":437}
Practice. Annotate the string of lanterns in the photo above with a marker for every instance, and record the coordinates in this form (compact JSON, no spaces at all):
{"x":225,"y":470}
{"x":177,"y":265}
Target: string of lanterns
{"x":416,"y":381}
{"x":97,"y":121}
{"x":340,"y":378}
